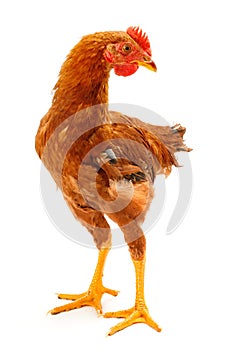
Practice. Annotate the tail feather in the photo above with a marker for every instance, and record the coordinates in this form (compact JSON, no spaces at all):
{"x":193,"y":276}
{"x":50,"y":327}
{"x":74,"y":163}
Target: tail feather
{"x":163,"y":141}
{"x":172,"y":137}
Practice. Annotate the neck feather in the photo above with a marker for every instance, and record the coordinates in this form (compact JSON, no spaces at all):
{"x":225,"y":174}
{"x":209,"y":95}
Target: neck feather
{"x":83,"y":81}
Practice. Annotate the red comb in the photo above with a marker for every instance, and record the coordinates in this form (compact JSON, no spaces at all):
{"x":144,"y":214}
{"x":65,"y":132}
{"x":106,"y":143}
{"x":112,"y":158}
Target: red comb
{"x":140,"y":38}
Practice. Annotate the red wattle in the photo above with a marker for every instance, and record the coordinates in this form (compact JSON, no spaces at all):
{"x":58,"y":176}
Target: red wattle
{"x":125,"y":69}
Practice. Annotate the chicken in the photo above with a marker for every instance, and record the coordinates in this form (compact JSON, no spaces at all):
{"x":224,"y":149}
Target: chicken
{"x":105,"y":162}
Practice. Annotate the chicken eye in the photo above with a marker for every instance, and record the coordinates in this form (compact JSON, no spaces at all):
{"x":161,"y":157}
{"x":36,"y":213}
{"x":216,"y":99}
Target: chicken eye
{"x":126,"y":48}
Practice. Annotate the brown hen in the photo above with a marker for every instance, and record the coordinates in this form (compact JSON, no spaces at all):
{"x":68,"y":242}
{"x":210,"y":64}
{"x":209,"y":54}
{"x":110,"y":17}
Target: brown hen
{"x":105,"y":162}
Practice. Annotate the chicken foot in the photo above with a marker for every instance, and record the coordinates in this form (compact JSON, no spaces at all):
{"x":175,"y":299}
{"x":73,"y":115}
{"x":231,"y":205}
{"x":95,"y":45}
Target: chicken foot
{"x":139,"y":313}
{"x":94,"y":294}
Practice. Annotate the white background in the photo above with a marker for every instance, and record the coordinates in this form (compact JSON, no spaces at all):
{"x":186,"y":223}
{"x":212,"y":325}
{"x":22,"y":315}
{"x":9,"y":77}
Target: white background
{"x":189,"y":273}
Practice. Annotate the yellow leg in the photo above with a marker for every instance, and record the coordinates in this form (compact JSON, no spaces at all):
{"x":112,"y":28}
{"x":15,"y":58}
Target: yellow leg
{"x":94,"y":294}
{"x":139,"y":313}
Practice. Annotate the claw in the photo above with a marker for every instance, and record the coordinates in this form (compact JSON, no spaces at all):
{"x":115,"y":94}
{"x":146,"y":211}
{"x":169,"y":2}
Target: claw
{"x":91,"y":298}
{"x":111,"y":291}
{"x":69,"y":296}
{"x":131,"y":316}
{"x":94,"y":294}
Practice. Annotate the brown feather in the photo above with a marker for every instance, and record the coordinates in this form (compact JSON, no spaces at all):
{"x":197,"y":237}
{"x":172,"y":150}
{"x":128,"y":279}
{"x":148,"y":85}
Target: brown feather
{"x":70,"y":147}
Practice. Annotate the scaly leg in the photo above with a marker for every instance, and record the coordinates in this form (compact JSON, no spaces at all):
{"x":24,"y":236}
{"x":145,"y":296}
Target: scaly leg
{"x":94,"y":294}
{"x":139,"y":313}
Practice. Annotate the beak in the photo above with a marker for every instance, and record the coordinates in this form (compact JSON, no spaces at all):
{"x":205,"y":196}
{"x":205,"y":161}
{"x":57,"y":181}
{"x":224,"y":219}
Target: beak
{"x":147,"y":63}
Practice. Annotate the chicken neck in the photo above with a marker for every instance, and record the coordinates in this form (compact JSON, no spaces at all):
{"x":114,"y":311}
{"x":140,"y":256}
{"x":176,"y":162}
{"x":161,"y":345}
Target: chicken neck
{"x":82,"y":83}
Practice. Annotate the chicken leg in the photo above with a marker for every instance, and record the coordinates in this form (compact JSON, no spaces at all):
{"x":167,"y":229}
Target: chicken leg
{"x":94,"y":294}
{"x":139,"y":313}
